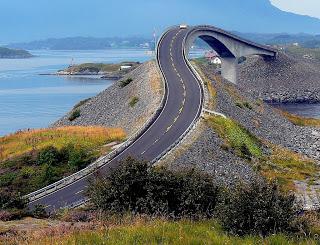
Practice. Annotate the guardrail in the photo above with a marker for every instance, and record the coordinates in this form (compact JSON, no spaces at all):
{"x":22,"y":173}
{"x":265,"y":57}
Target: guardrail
{"x":34,"y":196}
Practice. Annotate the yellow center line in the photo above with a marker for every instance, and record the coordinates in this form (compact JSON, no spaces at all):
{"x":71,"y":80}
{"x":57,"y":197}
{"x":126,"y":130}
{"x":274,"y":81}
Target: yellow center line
{"x":169,"y":128}
{"x":79,"y":191}
{"x":184,"y":95}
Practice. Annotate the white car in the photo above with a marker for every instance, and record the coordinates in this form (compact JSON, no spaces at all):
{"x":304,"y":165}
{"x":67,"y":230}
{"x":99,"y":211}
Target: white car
{"x":183,"y":26}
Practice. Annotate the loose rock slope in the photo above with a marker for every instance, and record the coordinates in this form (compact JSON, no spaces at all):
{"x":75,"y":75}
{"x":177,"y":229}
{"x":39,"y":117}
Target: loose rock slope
{"x":112,"y":107}
{"x":286,"y":79}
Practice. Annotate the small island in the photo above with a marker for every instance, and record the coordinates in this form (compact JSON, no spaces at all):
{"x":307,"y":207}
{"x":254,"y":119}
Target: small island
{"x":6,"y":53}
{"x":107,"y":71}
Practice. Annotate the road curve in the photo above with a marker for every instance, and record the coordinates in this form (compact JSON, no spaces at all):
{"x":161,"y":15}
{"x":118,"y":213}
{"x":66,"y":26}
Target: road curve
{"x":183,"y":104}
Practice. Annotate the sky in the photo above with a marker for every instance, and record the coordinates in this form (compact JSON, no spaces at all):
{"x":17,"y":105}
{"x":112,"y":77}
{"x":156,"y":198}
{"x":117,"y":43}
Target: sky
{"x":305,"y":7}
{"x":27,"y":20}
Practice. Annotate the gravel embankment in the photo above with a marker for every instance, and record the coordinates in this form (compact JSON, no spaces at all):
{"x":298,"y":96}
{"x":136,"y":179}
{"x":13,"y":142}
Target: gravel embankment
{"x":286,"y":79}
{"x":203,"y":150}
{"x":111,"y":108}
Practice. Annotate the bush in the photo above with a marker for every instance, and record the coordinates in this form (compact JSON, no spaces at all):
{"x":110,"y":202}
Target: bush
{"x":124,"y":83}
{"x":137,"y":188}
{"x":74,"y":115}
{"x":133,"y":101}
{"x":244,"y":105}
{"x":11,"y":200}
{"x":48,"y":175}
{"x":39,"y":212}
{"x":49,"y":155}
{"x":258,"y":208}
{"x":78,"y":158}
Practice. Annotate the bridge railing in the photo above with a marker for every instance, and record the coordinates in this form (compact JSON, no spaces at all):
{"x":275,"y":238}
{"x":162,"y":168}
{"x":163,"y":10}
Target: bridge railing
{"x":103,"y":161}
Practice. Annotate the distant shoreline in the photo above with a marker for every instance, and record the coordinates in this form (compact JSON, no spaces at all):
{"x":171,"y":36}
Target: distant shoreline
{"x":7,"y":53}
{"x":99,"y":76}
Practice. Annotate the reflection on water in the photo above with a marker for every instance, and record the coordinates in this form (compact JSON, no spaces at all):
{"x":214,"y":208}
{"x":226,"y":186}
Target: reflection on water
{"x":28,"y":100}
{"x":305,"y":110}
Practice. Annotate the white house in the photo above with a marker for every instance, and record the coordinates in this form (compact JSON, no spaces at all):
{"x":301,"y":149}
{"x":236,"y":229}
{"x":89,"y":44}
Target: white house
{"x":125,"y":67}
{"x":213,"y":57}
{"x":216,"y":60}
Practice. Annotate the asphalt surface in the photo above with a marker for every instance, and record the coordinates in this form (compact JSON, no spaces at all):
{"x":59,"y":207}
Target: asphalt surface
{"x":182,"y":107}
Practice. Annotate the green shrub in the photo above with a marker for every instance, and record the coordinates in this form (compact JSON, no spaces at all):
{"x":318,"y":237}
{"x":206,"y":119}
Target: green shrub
{"x":257,"y":208}
{"x":74,"y":115}
{"x":136,"y":187}
{"x":39,"y":212}
{"x":48,"y":175}
{"x":124,"y":83}
{"x":7,"y":179}
{"x":133,"y":101}
{"x":11,"y":200}
{"x":78,"y":158}
{"x":244,"y":105}
{"x":49,"y":155}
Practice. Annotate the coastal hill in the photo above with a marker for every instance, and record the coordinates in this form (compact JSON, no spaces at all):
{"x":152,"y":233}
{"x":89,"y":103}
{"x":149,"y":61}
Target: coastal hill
{"x":85,"y":43}
{"x":94,"y":43}
{"x":6,"y":53}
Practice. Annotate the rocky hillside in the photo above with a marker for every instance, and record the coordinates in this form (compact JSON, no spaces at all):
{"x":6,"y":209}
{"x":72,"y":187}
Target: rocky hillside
{"x":287,"y":79}
{"x":127,"y":104}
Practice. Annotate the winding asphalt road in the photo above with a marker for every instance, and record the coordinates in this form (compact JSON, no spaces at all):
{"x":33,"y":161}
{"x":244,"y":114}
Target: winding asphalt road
{"x":182,"y":106}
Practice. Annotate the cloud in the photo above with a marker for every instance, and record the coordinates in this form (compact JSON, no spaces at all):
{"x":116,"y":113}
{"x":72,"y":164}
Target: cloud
{"x":305,"y":7}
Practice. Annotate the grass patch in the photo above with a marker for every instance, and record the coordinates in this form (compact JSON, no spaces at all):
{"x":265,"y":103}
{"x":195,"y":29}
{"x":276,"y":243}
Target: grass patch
{"x":286,"y":167}
{"x":133,"y":101}
{"x":244,"y":105}
{"x":158,"y":231}
{"x":22,"y":142}
{"x":74,"y":115}
{"x":32,"y":159}
{"x":124,"y":83}
{"x":300,"y":121}
{"x":236,"y":137}
{"x":281,"y":164}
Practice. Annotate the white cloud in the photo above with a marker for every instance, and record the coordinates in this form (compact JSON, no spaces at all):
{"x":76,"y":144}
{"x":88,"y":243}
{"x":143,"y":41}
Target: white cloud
{"x":305,"y":7}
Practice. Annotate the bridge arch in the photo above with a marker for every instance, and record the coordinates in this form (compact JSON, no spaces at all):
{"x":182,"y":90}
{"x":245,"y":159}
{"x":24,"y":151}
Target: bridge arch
{"x":229,"y":47}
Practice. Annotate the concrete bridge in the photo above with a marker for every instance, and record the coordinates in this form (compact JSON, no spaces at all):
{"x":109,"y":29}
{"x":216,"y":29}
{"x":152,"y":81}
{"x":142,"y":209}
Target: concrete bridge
{"x":229,"y":47}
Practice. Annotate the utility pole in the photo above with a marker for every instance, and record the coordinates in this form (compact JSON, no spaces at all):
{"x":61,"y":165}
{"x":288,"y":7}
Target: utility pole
{"x":155,"y":41}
